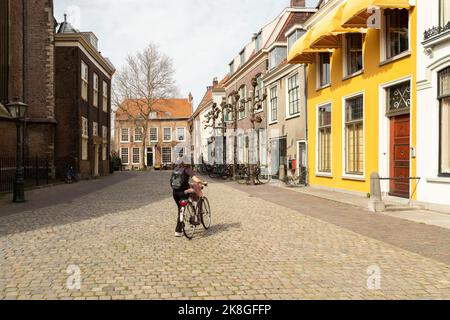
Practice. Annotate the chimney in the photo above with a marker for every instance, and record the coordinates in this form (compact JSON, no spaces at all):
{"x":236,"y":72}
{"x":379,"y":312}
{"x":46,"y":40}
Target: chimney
{"x":298,"y":4}
{"x":190,"y":98}
{"x":215,"y":82}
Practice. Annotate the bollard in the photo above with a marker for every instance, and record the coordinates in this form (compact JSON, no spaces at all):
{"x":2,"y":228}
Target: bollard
{"x":376,"y":203}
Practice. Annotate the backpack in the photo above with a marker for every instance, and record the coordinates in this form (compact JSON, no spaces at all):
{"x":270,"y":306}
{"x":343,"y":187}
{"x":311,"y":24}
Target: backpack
{"x":179,"y":179}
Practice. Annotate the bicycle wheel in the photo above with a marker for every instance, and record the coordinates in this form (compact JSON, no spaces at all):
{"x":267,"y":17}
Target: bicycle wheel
{"x":205,"y":213}
{"x":189,"y":215}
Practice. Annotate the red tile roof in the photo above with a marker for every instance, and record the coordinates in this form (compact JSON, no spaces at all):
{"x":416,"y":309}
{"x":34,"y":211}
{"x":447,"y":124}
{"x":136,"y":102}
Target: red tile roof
{"x":166,"y":108}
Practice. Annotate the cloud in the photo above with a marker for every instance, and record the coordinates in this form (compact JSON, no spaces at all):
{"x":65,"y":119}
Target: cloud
{"x":201,"y":36}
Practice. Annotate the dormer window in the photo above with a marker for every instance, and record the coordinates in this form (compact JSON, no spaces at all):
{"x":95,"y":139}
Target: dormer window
{"x":242,"y":57}
{"x":297,"y":34}
{"x":258,"y":42}
{"x":232,"y":67}
{"x":276,"y":56}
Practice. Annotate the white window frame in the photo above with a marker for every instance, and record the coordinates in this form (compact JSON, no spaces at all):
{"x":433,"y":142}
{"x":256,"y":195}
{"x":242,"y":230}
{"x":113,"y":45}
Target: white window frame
{"x":244,"y":87}
{"x":136,"y":134}
{"x":346,"y":175}
{"x":184,"y":134}
{"x":272,"y":121}
{"x":287,"y":111}
{"x":95,"y":91}
{"x":105,"y":134}
{"x":105,"y":96}
{"x":121,"y":135}
{"x":319,"y":86}
{"x":128,"y":155}
{"x":344,"y":57}
{"x":133,"y":155}
{"x":383,"y":48}
{"x":162,"y":155}
{"x":84,"y":81}
{"x":318,"y":172}
{"x":150,"y":135}
{"x":104,"y":152}
{"x":84,"y":127}
{"x":94,"y":129}
{"x":164,"y":134}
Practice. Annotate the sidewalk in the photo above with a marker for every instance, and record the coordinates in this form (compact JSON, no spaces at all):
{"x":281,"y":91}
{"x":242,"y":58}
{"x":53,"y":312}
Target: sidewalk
{"x":393,"y":208}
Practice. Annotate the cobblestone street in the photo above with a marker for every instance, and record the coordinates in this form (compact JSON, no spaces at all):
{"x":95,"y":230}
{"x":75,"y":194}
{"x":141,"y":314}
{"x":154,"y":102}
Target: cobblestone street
{"x":119,"y":232}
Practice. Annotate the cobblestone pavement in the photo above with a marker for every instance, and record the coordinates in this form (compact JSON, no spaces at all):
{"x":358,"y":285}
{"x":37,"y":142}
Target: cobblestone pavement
{"x":121,"y":239}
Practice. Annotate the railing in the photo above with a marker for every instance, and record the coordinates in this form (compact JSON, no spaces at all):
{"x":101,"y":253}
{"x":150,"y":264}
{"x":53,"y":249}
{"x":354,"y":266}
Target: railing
{"x":435,"y":31}
{"x":38,"y":171}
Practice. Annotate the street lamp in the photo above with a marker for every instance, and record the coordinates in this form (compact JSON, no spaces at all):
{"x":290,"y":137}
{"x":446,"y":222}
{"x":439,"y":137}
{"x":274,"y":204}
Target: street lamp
{"x":17,"y":111}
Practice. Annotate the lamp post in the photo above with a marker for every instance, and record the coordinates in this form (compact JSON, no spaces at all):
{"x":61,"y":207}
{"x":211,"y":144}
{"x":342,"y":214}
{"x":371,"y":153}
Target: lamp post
{"x":17,"y":110}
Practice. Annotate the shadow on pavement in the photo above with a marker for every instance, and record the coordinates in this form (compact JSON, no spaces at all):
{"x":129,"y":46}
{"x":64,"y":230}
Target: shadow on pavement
{"x":220,"y":228}
{"x":134,"y":190}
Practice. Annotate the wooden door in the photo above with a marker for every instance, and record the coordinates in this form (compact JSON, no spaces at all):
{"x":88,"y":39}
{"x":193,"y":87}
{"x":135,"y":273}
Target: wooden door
{"x":400,"y":156}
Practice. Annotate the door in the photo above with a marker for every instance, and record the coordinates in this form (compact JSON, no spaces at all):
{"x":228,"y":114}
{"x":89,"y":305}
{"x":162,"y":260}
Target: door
{"x":302,"y":164}
{"x":150,"y":157}
{"x":400,"y":156}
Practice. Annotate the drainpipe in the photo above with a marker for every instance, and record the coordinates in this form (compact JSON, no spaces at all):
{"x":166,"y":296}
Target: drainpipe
{"x":306,"y":122}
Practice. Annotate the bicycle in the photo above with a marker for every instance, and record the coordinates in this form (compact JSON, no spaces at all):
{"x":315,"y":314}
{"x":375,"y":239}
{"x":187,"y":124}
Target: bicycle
{"x":193,"y":213}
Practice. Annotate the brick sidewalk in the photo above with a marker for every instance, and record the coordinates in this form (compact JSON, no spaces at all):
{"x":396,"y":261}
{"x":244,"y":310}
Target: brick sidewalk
{"x":426,"y":240}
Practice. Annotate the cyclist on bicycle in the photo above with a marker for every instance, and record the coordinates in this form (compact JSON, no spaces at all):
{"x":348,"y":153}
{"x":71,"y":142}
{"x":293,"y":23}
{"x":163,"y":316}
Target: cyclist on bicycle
{"x":181,"y":187}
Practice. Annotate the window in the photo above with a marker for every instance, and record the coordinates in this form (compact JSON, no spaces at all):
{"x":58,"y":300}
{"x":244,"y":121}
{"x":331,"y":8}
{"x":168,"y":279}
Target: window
{"x":95,"y":92}
{"x":259,"y":87}
{"x":95,"y":129}
{"x":104,"y":152}
{"x":138,"y":134}
{"x":84,"y":127}
{"x":232,"y":67}
{"x":258,"y":42}
{"x":228,"y":115}
{"x":324,"y":69}
{"x":242,"y":57}
{"x":136,"y":155}
{"x":293,"y":95}
{"x":444,"y":14}
{"x":105,"y":134}
{"x":153,"y":115}
{"x":354,"y":136}
{"x":84,"y":81}
{"x":276,"y":56}
{"x":124,"y":156}
{"x":181,"y":134}
{"x":397,"y":32}
{"x":166,"y":155}
{"x":105,"y":97}
{"x":153,"y":134}
{"x":167,"y":134}
{"x":444,"y":123}
{"x":243,"y":102}
{"x":125,"y":135}
{"x":354,"y":54}
{"x":324,"y":139}
{"x":292,"y":39}
{"x":273,"y":104}
{"x":399,"y":99}
{"x":84,"y":138}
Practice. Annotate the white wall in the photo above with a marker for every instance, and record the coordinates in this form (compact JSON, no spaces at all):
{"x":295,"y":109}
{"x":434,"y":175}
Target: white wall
{"x":431,"y":189}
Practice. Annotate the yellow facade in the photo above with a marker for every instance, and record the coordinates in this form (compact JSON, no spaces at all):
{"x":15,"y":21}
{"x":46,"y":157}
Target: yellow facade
{"x":375,"y":74}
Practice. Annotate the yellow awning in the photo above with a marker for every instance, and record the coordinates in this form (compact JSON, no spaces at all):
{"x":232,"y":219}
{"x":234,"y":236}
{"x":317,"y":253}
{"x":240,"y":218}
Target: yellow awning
{"x":326,"y":33}
{"x":356,"y":13}
{"x":301,"y":52}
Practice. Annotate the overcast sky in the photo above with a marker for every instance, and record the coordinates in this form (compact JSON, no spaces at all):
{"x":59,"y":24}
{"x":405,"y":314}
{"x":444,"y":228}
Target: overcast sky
{"x":201,"y":36}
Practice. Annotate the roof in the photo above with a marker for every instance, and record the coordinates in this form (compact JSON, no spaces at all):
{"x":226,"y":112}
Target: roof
{"x":166,"y":109}
{"x":67,"y":27}
{"x":208,"y":97}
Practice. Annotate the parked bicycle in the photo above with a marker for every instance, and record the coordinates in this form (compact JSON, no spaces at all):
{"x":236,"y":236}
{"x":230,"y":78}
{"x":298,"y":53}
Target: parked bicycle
{"x":193,"y":213}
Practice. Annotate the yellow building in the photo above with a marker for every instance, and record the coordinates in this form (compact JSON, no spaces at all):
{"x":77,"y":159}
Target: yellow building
{"x":361,"y":57}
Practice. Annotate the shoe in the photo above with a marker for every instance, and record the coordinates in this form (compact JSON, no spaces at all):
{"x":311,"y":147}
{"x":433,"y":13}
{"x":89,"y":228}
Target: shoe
{"x":178,"y":234}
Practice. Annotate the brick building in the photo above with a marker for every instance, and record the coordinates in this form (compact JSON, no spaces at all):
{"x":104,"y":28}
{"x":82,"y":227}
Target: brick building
{"x":156,"y":141}
{"x":83,"y":99}
{"x":27,"y":74}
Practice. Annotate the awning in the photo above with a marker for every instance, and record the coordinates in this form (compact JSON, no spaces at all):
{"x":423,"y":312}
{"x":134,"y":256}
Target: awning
{"x":301,"y":52}
{"x":326,"y":34}
{"x":357,"y":13}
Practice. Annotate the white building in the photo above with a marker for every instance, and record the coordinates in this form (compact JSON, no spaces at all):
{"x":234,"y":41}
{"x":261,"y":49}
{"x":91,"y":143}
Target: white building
{"x":203,"y":132}
{"x":433,"y":102}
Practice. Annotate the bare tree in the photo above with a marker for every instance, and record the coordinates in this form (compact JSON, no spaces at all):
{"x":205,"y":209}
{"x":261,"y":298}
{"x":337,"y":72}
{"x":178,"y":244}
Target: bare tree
{"x":146,"y":79}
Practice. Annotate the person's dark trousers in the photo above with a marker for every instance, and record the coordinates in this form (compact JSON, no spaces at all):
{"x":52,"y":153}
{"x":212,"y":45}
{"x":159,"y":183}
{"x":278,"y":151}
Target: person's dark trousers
{"x":179,"y":195}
